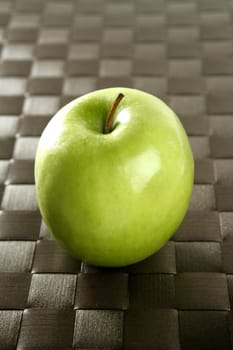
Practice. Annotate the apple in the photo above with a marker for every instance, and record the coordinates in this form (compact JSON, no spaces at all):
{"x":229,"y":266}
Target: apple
{"x":114,"y":175}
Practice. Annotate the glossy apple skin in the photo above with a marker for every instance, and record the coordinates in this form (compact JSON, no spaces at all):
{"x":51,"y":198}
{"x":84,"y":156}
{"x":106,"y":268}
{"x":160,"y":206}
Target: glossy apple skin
{"x":114,"y":199}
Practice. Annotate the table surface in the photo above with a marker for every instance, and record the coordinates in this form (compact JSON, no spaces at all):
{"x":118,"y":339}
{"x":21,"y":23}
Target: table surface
{"x":182,"y":51}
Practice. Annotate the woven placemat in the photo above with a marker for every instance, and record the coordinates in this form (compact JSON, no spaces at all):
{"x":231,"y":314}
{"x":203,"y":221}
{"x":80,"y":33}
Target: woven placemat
{"x":52,"y":51}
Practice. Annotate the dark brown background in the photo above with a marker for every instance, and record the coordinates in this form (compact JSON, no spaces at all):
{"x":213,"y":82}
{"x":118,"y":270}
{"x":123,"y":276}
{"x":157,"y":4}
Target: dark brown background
{"x":182,"y":51}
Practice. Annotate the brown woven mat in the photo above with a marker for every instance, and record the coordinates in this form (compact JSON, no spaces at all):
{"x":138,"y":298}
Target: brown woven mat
{"x":52,"y":51}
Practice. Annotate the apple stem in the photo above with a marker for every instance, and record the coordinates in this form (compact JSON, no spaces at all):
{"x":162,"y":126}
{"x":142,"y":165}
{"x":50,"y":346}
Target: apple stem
{"x":109,"y":120}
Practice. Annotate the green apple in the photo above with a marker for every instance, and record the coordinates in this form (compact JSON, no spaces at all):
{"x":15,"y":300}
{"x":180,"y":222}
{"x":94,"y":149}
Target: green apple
{"x":114,"y":175}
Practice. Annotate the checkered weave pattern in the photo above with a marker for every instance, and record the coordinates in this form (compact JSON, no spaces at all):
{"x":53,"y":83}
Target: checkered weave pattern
{"x":53,"y":51}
